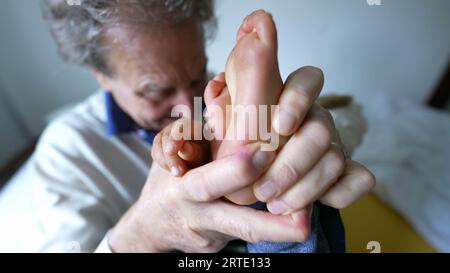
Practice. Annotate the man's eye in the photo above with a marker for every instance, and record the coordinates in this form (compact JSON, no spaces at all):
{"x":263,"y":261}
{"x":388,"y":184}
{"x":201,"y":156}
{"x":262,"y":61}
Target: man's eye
{"x":159,"y":95}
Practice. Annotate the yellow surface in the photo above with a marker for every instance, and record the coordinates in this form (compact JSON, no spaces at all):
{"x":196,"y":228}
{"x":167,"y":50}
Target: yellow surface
{"x":371,"y":220}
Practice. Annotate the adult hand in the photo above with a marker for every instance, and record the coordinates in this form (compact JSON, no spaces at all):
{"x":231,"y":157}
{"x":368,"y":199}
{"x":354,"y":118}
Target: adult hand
{"x":311,"y":164}
{"x":188,"y":213}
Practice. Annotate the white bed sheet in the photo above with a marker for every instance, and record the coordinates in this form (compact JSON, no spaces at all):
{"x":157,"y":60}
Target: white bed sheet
{"x":407,"y":146}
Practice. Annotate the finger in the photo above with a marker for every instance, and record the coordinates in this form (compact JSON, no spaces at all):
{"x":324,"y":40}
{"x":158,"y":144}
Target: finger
{"x":253,"y":225}
{"x":176,"y":165}
{"x":356,"y":182}
{"x":157,"y":152}
{"x":303,"y":150}
{"x":227,"y":175}
{"x":312,"y":185}
{"x":183,"y":129}
{"x":300,"y":91}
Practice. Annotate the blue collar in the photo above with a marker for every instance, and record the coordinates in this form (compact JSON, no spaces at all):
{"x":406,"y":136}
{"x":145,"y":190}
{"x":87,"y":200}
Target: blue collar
{"x":118,"y":122}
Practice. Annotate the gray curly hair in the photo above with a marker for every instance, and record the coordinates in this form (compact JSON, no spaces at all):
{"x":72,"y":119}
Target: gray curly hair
{"x":77,"y":26}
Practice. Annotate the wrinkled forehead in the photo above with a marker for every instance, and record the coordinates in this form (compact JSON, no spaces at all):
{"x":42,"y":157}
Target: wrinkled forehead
{"x":140,"y":50}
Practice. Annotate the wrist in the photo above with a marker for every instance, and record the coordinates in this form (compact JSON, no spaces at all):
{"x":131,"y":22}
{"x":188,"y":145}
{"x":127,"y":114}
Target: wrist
{"x":128,"y":235}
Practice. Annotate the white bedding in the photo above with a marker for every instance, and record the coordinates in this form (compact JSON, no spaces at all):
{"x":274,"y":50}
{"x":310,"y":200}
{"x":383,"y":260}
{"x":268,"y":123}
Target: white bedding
{"x":407,"y":146}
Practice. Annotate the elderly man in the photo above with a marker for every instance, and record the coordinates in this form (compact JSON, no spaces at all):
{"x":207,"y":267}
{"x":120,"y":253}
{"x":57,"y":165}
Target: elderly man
{"x":91,"y":166}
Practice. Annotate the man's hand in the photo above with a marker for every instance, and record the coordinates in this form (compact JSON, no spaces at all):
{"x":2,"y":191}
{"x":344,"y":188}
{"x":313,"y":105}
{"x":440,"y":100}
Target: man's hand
{"x":311,"y":164}
{"x":187,"y":213}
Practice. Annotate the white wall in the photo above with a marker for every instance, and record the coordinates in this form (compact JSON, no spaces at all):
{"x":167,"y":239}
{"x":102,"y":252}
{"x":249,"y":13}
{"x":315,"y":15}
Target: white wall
{"x":13,"y":137}
{"x":400,"y":47}
{"x":31,"y":72}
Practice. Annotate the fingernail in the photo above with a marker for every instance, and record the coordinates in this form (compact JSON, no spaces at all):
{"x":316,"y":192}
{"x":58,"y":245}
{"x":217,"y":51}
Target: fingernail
{"x":175,"y":171}
{"x":284,"y":122}
{"x":277,"y":207}
{"x":262,"y":159}
{"x":266,"y":191}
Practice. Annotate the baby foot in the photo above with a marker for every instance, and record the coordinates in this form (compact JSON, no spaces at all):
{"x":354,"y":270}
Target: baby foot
{"x":252,"y":78}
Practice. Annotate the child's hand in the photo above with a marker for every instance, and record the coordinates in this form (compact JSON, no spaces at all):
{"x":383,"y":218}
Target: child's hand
{"x":176,"y":151}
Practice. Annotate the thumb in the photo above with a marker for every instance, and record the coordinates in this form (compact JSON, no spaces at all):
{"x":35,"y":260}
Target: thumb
{"x":226,"y":175}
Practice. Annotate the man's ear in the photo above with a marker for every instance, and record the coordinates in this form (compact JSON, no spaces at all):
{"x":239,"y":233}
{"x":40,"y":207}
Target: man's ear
{"x":103,"y":80}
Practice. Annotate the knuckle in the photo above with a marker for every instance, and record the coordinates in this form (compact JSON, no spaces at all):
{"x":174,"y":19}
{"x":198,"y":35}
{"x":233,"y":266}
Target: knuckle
{"x":336,"y":202}
{"x":336,"y":163}
{"x":205,"y":245}
{"x":200,"y":192}
{"x":213,"y":246}
{"x":242,"y":176}
{"x":340,"y":204}
{"x":320,"y":133}
{"x":202,"y":241}
{"x":203,"y":195}
{"x":298,"y":201}
{"x":171,"y":195}
{"x":286,"y":175}
{"x":248,"y":233}
{"x":367,"y":179}
{"x":251,"y":237}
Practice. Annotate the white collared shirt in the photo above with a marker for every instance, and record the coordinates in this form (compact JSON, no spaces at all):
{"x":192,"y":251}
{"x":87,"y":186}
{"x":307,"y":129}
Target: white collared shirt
{"x":85,"y":180}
